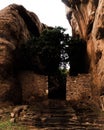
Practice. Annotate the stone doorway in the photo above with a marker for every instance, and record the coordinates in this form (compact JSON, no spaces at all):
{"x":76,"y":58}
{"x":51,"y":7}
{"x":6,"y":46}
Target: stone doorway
{"x":57,"y":86}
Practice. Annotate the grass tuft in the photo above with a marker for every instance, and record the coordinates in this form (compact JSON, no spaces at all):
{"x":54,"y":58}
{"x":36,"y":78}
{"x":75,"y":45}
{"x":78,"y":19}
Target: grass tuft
{"x":7,"y":125}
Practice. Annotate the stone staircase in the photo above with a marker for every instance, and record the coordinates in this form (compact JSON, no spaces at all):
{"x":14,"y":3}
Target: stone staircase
{"x":59,"y":115}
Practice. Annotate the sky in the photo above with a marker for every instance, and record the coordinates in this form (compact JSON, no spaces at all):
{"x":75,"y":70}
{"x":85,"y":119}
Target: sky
{"x":50,"y":12}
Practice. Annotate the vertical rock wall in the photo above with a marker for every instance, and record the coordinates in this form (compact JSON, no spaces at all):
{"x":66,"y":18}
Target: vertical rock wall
{"x":86,"y":18}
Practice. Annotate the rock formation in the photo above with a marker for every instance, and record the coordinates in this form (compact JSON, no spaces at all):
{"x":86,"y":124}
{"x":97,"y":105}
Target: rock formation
{"x":86,"y":18}
{"x":16,"y":27}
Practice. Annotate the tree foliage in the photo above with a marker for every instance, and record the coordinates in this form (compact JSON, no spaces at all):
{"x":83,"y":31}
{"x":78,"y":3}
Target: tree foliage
{"x":43,"y":53}
{"x":50,"y":50}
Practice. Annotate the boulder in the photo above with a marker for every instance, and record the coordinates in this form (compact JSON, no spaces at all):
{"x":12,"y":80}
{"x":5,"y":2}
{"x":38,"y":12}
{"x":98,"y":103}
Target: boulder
{"x":17,"y":25}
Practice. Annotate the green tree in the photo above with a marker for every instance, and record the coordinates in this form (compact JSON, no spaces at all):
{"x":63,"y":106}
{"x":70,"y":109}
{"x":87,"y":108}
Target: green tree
{"x":43,"y":51}
{"x":49,"y":41}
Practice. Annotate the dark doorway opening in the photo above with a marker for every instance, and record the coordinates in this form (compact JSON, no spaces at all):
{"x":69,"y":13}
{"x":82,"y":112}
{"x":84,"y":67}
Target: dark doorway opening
{"x":57,"y":86}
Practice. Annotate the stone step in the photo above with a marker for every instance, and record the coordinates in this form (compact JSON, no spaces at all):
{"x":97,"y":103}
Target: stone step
{"x":55,"y":124}
{"x":61,"y":117}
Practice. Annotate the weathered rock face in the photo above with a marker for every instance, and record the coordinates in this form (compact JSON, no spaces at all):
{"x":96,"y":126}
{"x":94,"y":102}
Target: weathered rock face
{"x":16,"y":27}
{"x":86,"y":18}
{"x":81,"y":15}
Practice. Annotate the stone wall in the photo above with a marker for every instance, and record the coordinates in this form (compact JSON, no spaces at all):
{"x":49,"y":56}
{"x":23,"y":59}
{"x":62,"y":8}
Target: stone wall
{"x":34,"y":86}
{"x":78,"y":88}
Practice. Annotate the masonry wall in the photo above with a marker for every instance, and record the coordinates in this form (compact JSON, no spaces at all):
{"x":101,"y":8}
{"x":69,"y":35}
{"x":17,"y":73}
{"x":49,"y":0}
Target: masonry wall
{"x":34,"y":86}
{"x":78,"y":88}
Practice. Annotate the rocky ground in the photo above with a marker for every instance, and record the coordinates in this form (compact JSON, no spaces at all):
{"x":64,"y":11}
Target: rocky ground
{"x":49,"y":115}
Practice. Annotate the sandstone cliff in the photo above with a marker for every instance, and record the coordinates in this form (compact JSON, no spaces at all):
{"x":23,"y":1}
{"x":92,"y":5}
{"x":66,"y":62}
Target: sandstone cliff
{"x":16,"y":27}
{"x":86,"y":18}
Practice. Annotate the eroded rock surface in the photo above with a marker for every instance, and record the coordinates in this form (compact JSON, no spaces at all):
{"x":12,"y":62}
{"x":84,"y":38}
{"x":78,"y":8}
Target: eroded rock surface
{"x":86,"y":18}
{"x":16,"y":27}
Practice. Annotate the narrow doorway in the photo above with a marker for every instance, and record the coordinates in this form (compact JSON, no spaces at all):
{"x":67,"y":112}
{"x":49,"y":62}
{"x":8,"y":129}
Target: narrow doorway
{"x":57,"y":86}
